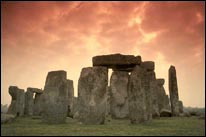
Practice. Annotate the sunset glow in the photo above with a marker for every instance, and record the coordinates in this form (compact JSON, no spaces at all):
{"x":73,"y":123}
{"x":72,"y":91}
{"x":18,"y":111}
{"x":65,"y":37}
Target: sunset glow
{"x":38,"y":37}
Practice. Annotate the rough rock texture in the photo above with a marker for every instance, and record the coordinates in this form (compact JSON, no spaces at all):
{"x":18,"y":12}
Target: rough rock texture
{"x":75,"y":108}
{"x":108,"y":105}
{"x":117,"y":61}
{"x":180,"y":106}
{"x":155,"y":99}
{"x":173,"y":90}
{"x":92,"y":86}
{"x":119,"y":101}
{"x":55,"y":97}
{"x":7,"y":118}
{"x":29,"y":102}
{"x":148,"y":65}
{"x":150,"y":86}
{"x":137,"y":97}
{"x":70,"y":97}
{"x":38,"y":104}
{"x":165,"y":113}
{"x":163,"y":101}
{"x":18,"y":101}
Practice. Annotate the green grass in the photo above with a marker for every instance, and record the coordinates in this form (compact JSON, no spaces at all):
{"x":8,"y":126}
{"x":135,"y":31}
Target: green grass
{"x":164,"y":126}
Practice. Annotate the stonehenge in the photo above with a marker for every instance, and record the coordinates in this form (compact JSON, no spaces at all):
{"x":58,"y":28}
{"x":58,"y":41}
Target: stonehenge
{"x":55,"y":97}
{"x":92,"y":86}
{"x":18,"y":101}
{"x":132,"y":92}
{"x":173,"y":91}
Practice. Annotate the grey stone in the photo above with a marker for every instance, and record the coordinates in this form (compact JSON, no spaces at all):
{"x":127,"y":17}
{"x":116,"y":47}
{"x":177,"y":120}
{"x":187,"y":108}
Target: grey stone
{"x":165,"y":113}
{"x":18,"y":101}
{"x":108,"y":106}
{"x":38,"y":104}
{"x":180,"y":106}
{"x":137,"y":97}
{"x":55,"y":97}
{"x":117,"y":61}
{"x":148,"y":65}
{"x":173,"y":91}
{"x":92,"y":86}
{"x":7,"y":118}
{"x":119,"y":97}
{"x":70,"y":97}
{"x":29,"y":102}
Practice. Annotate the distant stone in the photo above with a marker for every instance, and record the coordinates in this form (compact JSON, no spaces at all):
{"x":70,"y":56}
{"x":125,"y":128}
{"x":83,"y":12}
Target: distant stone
{"x":55,"y":97}
{"x":70,"y":97}
{"x":38,"y":104}
{"x":165,"y":113}
{"x":148,"y":65}
{"x":180,"y":106}
{"x":7,"y":118}
{"x":92,"y":98}
{"x":173,"y":90}
{"x":18,"y":101}
{"x":29,"y":102}
{"x":137,"y":97}
{"x":117,"y":61}
{"x":119,"y":98}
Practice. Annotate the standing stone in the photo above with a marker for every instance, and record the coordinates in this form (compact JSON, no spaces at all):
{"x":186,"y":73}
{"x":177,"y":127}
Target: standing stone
{"x":150,"y":86}
{"x":154,"y":99}
{"x":75,"y":108}
{"x":137,"y":97}
{"x":108,"y":106}
{"x":29,"y":102}
{"x":38,"y":104}
{"x":119,"y":101}
{"x":163,"y":101}
{"x":180,"y":107}
{"x":55,"y":97}
{"x":70,"y":97}
{"x":92,"y":86}
{"x":18,"y":101}
{"x":173,"y":90}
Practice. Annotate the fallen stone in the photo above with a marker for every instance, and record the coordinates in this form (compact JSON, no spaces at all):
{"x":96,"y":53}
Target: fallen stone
{"x":165,"y":113}
{"x":92,"y":86}
{"x":7,"y":118}
{"x":119,"y":101}
{"x":117,"y":61}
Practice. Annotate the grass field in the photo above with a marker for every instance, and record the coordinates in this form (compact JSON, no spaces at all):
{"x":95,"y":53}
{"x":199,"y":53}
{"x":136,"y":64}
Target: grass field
{"x":163,"y":126}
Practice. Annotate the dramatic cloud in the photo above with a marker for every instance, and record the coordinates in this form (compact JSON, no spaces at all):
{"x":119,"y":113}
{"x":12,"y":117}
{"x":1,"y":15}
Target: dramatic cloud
{"x":38,"y":37}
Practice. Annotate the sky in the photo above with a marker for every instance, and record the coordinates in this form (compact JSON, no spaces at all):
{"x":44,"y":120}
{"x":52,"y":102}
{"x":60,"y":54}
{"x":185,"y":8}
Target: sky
{"x":38,"y":37}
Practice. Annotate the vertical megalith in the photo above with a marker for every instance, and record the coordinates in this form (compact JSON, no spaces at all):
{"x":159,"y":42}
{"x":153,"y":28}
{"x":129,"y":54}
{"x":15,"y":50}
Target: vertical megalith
{"x":55,"y":97}
{"x":119,"y":100}
{"x":18,"y":101}
{"x":180,"y":106}
{"x":70,"y":97}
{"x":163,"y":102}
{"x":29,"y":102}
{"x":173,"y":90}
{"x":137,"y":96}
{"x":38,"y":103}
{"x":92,"y":86}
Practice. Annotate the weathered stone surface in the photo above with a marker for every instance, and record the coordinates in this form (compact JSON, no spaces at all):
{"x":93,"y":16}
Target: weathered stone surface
{"x":29,"y":102}
{"x":173,"y":90}
{"x":70,"y":97}
{"x":38,"y":104}
{"x":150,"y":86}
{"x":18,"y":101}
{"x":75,"y":108}
{"x":119,"y":98}
{"x":108,"y":106}
{"x":163,"y":101}
{"x":92,"y":86}
{"x":165,"y":113}
{"x":155,"y":98}
{"x":148,"y":65}
{"x":117,"y":61}
{"x":180,"y":106}
{"x":4,"y":108}
{"x":137,"y":97}
{"x":7,"y":118}
{"x":55,"y":97}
